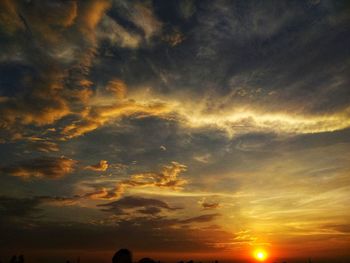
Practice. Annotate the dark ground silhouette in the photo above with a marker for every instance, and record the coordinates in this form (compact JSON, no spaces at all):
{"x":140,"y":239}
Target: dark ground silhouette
{"x":122,"y":256}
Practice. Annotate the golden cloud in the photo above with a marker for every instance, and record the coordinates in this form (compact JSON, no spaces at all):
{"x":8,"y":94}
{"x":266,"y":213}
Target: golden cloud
{"x":99,"y":167}
{"x":168,"y":178}
{"x":97,"y":116}
{"x":209,"y":113}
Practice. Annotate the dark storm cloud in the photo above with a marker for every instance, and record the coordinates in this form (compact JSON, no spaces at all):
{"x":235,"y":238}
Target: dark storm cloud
{"x":22,"y":227}
{"x":18,"y":207}
{"x":41,"y":168}
{"x":153,"y":234}
{"x":140,"y":204}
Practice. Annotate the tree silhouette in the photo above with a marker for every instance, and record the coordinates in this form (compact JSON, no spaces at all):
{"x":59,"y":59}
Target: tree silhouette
{"x":122,"y":256}
{"x":13,"y":259}
{"x":147,"y":260}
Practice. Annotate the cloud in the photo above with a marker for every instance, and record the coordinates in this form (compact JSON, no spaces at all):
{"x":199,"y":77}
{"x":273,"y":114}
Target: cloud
{"x":56,"y":88}
{"x":205,"y":158}
{"x":18,"y":207}
{"x":150,"y":210}
{"x":117,"y":35}
{"x":42,"y":145}
{"x":41,"y":168}
{"x":209,"y":113}
{"x":157,"y":233}
{"x":65,"y":41}
{"x":117,"y":87}
{"x":41,"y":107}
{"x":200,"y":219}
{"x":98,"y":116}
{"x":174,"y":38}
{"x":144,"y":18}
{"x":58,"y":200}
{"x":141,"y":27}
{"x":206,"y":205}
{"x":132,"y":204}
{"x":99,"y":167}
{"x":167,"y":178}
{"x":55,"y":42}
{"x":179,"y":222}
{"x":212,"y":112}
{"x":187,"y":8}
{"x":341,"y":228}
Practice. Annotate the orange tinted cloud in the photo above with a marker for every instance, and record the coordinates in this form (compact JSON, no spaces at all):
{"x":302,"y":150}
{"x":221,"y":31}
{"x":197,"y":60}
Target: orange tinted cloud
{"x":9,"y":20}
{"x":57,"y":42}
{"x":41,"y":168}
{"x":168,"y":177}
{"x":92,"y":12}
{"x":44,"y":146}
{"x":99,"y":167}
{"x":117,"y":87}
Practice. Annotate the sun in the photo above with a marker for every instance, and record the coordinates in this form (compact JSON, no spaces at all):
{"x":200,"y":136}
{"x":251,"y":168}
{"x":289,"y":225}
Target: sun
{"x":260,"y":255}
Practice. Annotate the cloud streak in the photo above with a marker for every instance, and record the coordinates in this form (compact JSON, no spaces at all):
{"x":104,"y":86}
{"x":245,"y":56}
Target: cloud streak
{"x":134,"y":204}
{"x":41,"y":168}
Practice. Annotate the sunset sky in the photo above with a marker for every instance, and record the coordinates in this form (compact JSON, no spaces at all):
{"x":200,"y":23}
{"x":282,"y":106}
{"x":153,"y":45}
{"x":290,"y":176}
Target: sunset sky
{"x":187,"y":129}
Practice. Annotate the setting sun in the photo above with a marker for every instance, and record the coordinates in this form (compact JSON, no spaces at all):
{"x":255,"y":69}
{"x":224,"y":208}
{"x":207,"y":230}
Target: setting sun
{"x":260,"y":255}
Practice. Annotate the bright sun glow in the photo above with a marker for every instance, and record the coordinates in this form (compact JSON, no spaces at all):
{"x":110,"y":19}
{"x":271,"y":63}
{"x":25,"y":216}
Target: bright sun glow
{"x":260,"y":255}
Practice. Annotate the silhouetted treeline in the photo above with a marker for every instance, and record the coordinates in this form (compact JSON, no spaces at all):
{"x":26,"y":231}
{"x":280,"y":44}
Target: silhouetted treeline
{"x":15,"y":259}
{"x":121,"y":256}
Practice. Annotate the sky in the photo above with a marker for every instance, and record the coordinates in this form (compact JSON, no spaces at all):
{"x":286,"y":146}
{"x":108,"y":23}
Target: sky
{"x":178,"y":129}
